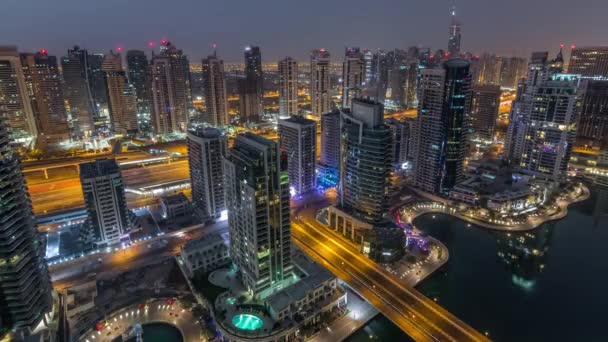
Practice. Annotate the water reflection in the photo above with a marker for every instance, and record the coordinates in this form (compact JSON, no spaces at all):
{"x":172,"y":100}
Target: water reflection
{"x":525,"y":254}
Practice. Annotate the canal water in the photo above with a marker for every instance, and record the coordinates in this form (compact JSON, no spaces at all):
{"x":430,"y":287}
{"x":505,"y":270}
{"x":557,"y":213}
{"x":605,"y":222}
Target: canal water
{"x":549,"y":284}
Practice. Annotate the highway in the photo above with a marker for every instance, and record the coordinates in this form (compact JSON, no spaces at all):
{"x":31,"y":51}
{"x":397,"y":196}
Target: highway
{"x":420,"y":317}
{"x":67,"y":193}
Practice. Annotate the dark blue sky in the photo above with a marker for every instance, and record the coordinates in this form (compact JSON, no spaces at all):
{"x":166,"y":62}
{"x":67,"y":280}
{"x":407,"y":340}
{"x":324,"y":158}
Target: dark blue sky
{"x":287,"y":27}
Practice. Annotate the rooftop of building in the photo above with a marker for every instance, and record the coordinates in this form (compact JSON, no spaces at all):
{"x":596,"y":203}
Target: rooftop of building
{"x":311,"y":275}
{"x":298,"y":120}
{"x":175,"y":199}
{"x":207,"y":240}
{"x":99,"y":167}
{"x":205,"y":132}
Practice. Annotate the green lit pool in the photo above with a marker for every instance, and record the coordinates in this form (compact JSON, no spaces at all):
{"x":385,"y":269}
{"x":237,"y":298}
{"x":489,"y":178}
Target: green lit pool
{"x":247,"y":322}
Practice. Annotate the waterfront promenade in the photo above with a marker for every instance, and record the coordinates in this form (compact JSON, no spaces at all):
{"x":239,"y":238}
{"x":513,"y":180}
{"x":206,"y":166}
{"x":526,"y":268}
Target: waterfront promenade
{"x":444,"y":206}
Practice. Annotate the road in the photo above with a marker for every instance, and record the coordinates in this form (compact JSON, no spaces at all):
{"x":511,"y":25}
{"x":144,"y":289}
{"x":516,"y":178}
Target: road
{"x":139,"y":254}
{"x":67,"y":193}
{"x":420,"y":317}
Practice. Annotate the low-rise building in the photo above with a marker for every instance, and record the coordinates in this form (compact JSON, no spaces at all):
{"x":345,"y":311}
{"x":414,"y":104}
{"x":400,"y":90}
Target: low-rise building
{"x":175,"y":206}
{"x":206,"y":253}
{"x":316,"y":292}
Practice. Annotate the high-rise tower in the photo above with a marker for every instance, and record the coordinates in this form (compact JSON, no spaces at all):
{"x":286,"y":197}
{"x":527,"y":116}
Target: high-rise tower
{"x":443,"y":108}
{"x":485,"y":104}
{"x":589,"y":61}
{"x":137,"y":71}
{"x":122,"y":98}
{"x":25,"y":287}
{"x":46,"y":92}
{"x":215,"y":91}
{"x":298,"y":138}
{"x":320,"y":96}
{"x":288,"y":87}
{"x":366,"y":161}
{"x":206,"y":148}
{"x":15,"y":105}
{"x":252,"y":86}
{"x":352,"y":75}
{"x":455,"y":34}
{"x":75,"y":69}
{"x":170,"y":88}
{"x":257,"y":199}
{"x":104,"y":197}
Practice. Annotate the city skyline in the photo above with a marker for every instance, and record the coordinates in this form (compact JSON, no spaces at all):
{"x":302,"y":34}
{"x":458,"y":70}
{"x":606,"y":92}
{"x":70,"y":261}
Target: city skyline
{"x":384,"y":26}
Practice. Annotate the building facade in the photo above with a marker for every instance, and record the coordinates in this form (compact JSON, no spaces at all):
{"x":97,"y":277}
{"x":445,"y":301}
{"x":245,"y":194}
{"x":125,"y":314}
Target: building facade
{"x":257,"y":198}
{"x":366,"y":161}
{"x":485,"y":103}
{"x":137,"y":73}
{"x":46,"y":93}
{"x":353,"y":69}
{"x":170,"y":87}
{"x":215,"y":91}
{"x":122,"y":96}
{"x":206,"y":148}
{"x":542,"y":127}
{"x":252,"y":86}
{"x":589,"y":61}
{"x":320,"y":95}
{"x":298,"y":138}
{"x":15,"y":106}
{"x":443,"y":107}
{"x":75,"y":70}
{"x":104,"y":198}
{"x":288,"y":87}
{"x":25,"y":289}
{"x":593,"y":122}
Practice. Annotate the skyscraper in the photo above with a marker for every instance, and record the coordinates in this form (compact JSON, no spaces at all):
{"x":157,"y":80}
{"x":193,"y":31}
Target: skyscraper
{"x":538,"y":72}
{"x":298,"y":138}
{"x":364,"y":183}
{"x":368,"y":57}
{"x":25,"y":287}
{"x":215,"y":91}
{"x":122,"y":98}
{"x":46,"y":92}
{"x":252,"y":86}
{"x":329,"y":164}
{"x":401,"y":131}
{"x":380,"y":73}
{"x":137,"y":71}
{"x":257,"y":198}
{"x":352,"y":75}
{"x":366,"y":161}
{"x":542,"y":126}
{"x":512,"y":70}
{"x":15,"y":105}
{"x":75,"y":69}
{"x":589,"y":61}
{"x":455,"y":34}
{"x":593,"y":123}
{"x":170,"y":88}
{"x":97,"y":84}
{"x":105,"y":202}
{"x":320,"y":96}
{"x":288,"y":87}
{"x":443,"y":107}
{"x":206,"y":148}
{"x":485,"y":104}
{"x":330,"y":139}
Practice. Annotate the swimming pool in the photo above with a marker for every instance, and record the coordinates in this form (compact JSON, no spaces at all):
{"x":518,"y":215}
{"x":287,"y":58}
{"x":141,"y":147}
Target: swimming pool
{"x":247,"y":322}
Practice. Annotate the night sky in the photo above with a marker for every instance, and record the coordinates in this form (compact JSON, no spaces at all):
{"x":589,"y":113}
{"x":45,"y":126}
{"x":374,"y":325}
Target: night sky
{"x":292,"y":28}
